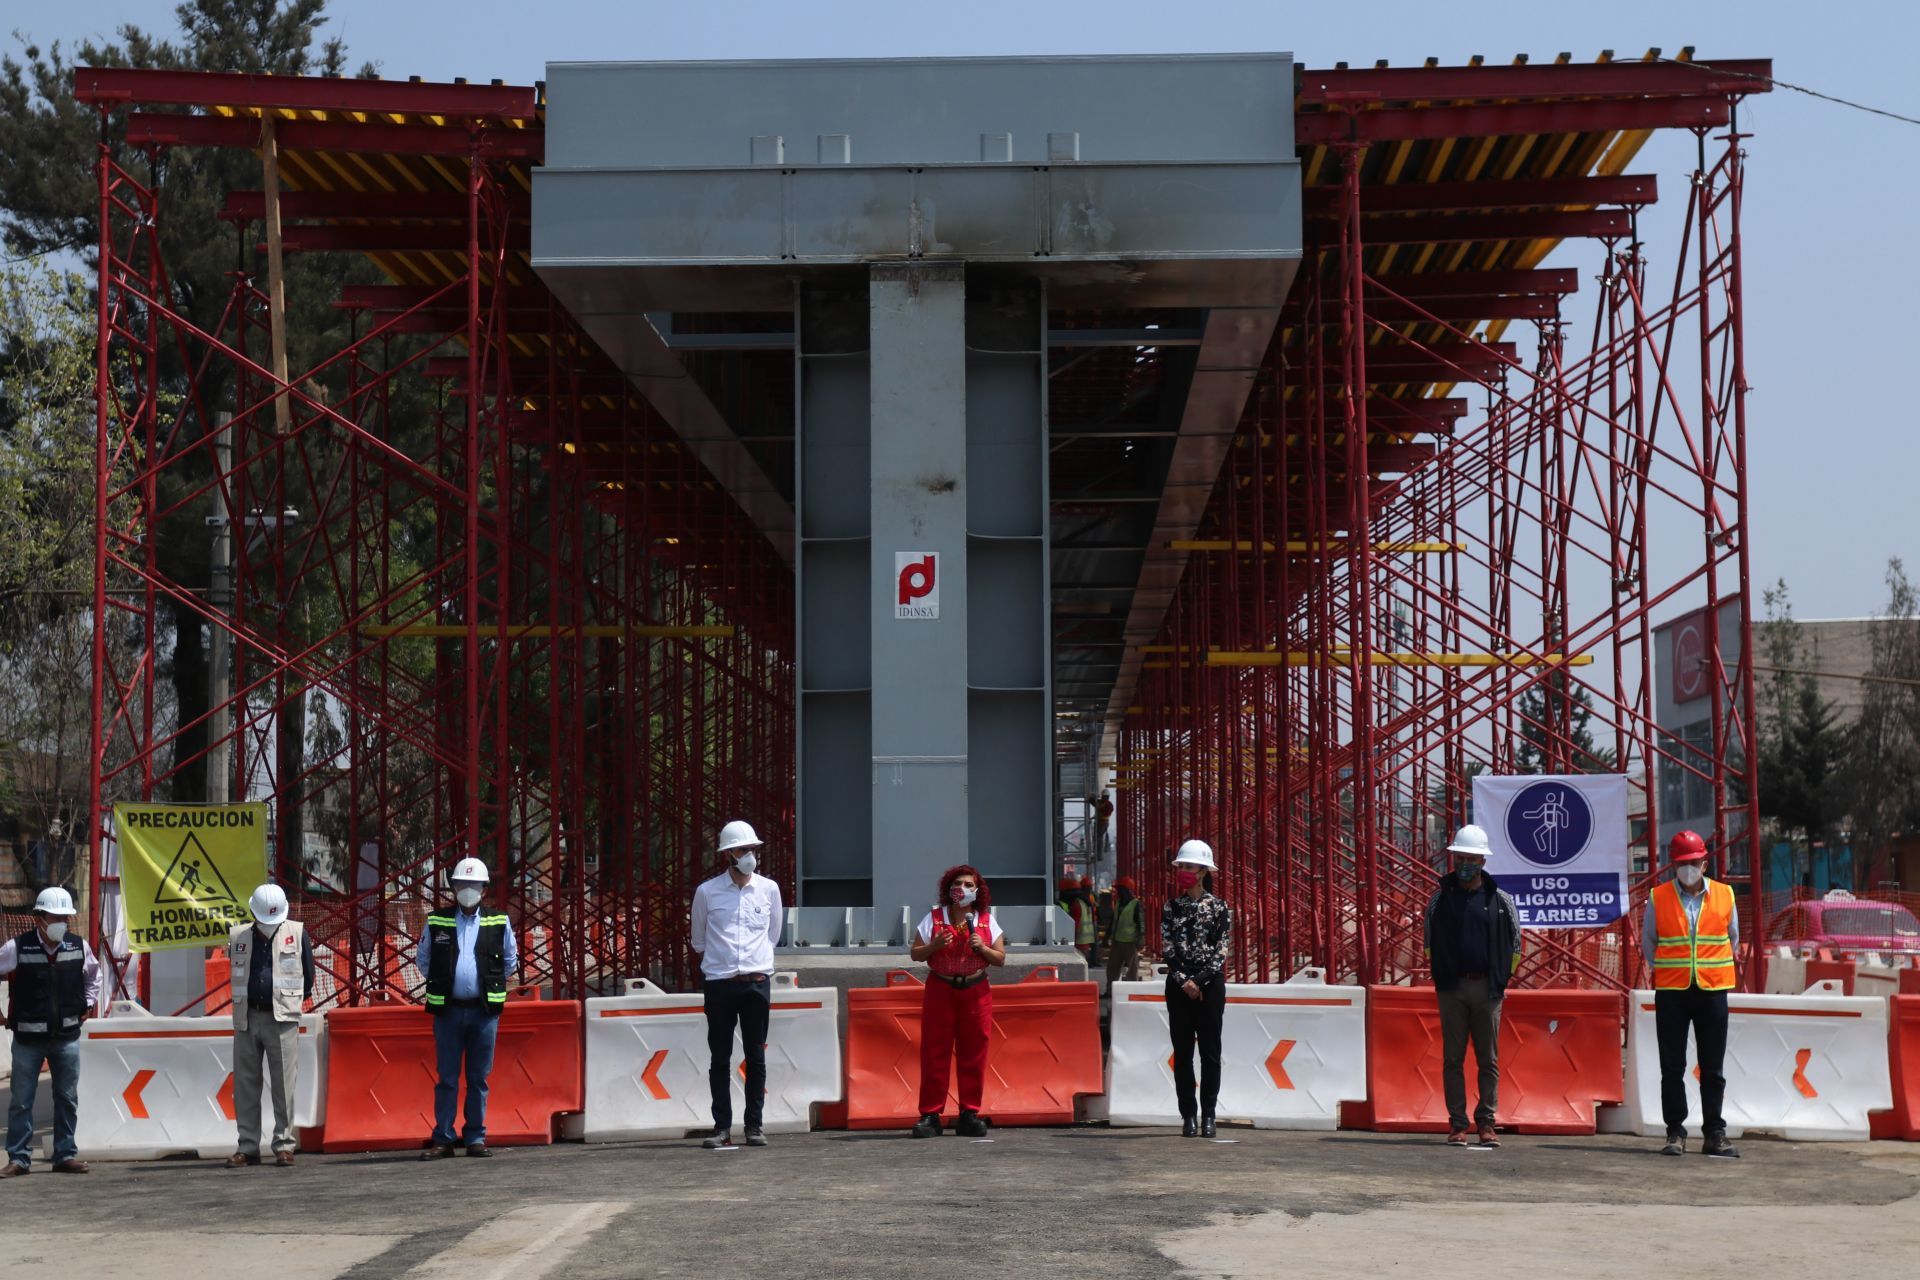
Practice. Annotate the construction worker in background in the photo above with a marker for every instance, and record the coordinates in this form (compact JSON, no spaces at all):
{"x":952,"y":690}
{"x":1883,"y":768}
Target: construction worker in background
{"x":270,"y":979}
{"x":1102,"y":922}
{"x":1102,"y":821}
{"x":1125,"y":933}
{"x":1086,"y":922}
{"x":958,"y":940}
{"x":1689,"y":935}
{"x":1196,"y":932}
{"x":737,"y":917}
{"x":1473,"y":947}
{"x":468,"y":954}
{"x":56,"y":987}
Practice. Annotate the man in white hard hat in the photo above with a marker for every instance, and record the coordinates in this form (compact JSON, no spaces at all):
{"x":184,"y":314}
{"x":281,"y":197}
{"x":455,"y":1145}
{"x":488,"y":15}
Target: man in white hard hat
{"x":1473,"y":947}
{"x":270,"y":978}
{"x":56,"y":987}
{"x":736,"y":922}
{"x":467,"y":954}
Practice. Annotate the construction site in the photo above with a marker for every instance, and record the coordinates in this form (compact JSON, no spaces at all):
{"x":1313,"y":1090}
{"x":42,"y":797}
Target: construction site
{"x":1032,"y":463}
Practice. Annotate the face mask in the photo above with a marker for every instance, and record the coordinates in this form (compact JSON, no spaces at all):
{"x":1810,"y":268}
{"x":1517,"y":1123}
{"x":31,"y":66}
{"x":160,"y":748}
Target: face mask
{"x":746,"y":863}
{"x":468,"y":898}
{"x":962,"y":896}
{"x":1466,"y":871}
{"x":1185,"y":880}
{"x":56,"y":931}
{"x":1689,"y":877}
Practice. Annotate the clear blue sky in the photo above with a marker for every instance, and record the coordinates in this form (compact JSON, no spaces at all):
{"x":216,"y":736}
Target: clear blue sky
{"x":1832,"y":267}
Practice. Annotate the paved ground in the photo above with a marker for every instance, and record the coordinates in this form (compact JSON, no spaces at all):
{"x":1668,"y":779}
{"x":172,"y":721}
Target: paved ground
{"x":1037,"y":1202}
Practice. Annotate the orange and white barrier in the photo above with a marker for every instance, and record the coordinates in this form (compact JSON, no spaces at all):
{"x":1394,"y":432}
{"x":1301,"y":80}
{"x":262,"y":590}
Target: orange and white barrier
{"x":1290,"y":1052}
{"x":164,"y":1086}
{"x":647,"y":1062}
{"x":1807,"y":1067}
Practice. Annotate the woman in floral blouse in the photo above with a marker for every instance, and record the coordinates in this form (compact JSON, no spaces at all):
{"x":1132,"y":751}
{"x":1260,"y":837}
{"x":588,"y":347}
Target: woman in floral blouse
{"x":1196,"y":930}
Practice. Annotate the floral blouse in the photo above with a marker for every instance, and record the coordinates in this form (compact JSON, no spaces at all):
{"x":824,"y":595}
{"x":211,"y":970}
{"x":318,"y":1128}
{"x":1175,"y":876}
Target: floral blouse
{"x":1195,"y":937}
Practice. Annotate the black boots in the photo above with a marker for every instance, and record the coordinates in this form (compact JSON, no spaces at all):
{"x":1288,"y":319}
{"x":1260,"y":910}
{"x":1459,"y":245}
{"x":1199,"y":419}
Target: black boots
{"x":929,"y":1127}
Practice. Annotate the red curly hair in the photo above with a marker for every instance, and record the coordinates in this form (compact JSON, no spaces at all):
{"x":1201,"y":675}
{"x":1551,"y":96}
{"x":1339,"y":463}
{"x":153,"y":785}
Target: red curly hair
{"x":983,"y":897}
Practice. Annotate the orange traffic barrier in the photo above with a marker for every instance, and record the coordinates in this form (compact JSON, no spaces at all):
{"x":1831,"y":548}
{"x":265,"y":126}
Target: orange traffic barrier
{"x":380,"y":1075}
{"x":1903,"y":1058}
{"x":1559,"y":1060}
{"x":1045,"y":1052}
{"x":1910,"y":981}
{"x":1825,"y":968}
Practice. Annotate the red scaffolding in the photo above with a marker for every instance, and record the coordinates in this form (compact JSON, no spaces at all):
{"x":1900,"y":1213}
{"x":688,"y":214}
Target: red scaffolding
{"x":1397,"y":592}
{"x":482,"y":600}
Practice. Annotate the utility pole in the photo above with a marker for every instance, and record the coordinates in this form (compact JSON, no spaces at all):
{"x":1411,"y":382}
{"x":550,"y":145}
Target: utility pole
{"x":220,"y":600}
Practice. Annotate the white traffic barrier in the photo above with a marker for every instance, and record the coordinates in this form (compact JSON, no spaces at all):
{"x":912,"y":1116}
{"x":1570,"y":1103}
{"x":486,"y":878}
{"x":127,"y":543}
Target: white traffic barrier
{"x":647,"y":1062}
{"x":1807,"y":1067}
{"x":1786,"y":971}
{"x":1290,"y":1053}
{"x":164,"y":1086}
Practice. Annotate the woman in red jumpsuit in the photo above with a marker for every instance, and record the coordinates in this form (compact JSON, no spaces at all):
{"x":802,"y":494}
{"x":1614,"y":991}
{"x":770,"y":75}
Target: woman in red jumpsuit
{"x":958,"y":940}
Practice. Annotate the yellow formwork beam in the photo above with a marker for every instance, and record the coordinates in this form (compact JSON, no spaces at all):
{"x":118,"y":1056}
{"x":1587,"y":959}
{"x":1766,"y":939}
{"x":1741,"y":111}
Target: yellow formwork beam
{"x":1304,"y":548}
{"x":1281,"y":658}
{"x":544,"y":631}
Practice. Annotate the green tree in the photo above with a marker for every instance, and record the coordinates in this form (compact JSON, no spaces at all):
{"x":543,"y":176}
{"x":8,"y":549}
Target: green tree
{"x":1882,"y":777}
{"x":49,"y":204}
{"x":1581,"y":753}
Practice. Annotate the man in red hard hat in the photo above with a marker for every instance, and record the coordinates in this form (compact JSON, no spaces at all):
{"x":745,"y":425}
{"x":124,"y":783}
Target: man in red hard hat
{"x":1689,"y":935}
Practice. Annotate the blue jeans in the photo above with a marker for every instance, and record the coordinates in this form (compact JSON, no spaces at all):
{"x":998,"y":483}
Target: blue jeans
{"x":462,"y":1032}
{"x":63,"y":1060}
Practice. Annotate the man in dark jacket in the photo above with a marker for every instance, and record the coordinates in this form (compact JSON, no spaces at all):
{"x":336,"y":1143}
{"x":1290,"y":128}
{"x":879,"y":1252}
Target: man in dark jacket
{"x":1473,"y":946}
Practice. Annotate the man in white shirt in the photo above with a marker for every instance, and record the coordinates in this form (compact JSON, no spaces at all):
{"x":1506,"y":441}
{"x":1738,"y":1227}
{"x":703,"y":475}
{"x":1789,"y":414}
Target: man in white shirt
{"x":737,"y":917}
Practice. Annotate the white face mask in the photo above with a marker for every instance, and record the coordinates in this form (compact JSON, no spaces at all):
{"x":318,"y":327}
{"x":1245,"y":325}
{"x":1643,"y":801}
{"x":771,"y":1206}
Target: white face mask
{"x":746,"y":863}
{"x":964,"y":897}
{"x":468,"y":898}
{"x":56,"y":931}
{"x":1689,"y":877}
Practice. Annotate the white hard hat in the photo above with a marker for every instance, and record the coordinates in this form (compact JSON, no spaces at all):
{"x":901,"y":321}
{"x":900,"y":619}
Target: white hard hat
{"x":738,"y":835}
{"x":269,"y":904}
{"x":1196,"y":853}
{"x":54,"y":902}
{"x":471,"y":869}
{"x":1469,"y":839}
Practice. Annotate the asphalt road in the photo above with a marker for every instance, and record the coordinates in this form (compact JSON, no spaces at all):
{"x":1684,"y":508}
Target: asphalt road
{"x":1068,"y":1203}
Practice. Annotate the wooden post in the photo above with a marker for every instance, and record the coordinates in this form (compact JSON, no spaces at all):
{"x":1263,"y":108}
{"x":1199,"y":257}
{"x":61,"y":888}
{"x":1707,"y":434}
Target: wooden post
{"x":276,"y":281}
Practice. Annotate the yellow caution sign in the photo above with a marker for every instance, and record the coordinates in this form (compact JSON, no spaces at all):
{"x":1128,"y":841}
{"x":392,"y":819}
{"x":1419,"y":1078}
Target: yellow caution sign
{"x":187,"y":870}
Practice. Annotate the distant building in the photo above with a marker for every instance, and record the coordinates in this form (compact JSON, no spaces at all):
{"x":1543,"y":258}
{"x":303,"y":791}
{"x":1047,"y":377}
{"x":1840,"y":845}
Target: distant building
{"x":1841,"y":651}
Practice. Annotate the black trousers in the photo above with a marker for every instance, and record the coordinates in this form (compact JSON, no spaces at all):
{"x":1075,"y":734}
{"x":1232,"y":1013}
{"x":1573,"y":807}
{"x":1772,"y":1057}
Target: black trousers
{"x":1705,"y":1013}
{"x":1189,"y":1020}
{"x":747,"y":1005}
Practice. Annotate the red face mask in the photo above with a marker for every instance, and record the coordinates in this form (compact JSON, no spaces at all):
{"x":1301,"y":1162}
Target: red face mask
{"x":1185,"y":880}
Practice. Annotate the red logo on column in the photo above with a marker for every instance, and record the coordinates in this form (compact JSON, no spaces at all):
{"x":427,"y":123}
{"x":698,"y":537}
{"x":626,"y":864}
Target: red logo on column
{"x":1691,"y":672}
{"x":917,"y":579}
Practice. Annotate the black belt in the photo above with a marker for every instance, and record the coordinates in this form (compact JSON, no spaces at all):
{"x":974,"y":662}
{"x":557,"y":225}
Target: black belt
{"x":1473,"y":975}
{"x":962,"y":982}
{"x":466,"y":1002}
{"x":742,"y":977}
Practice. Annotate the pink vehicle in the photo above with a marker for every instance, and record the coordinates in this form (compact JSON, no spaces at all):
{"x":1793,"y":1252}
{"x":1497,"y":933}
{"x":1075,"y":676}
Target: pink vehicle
{"x":1841,"y":922}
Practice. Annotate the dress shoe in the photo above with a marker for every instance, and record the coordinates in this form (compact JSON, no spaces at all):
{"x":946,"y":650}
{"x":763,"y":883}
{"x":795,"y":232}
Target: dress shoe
{"x":1458,"y":1138}
{"x":480,"y":1149}
{"x":438,"y":1151}
{"x":1488,"y":1138}
{"x":240,"y":1160}
{"x":1206,"y":1126}
{"x":14,"y":1170}
{"x":284,"y":1159}
{"x":1190,"y":1127}
{"x":72,"y":1166}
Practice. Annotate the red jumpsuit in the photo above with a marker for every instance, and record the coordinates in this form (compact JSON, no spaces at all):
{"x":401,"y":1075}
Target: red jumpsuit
{"x":955,"y":1022}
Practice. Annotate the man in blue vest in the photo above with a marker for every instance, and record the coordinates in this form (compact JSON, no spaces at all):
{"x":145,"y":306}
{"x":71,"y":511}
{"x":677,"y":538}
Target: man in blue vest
{"x":56,"y":986}
{"x":466,"y":954}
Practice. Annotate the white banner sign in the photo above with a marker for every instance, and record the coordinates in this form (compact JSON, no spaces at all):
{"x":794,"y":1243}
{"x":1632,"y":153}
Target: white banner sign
{"x":1558,"y":845}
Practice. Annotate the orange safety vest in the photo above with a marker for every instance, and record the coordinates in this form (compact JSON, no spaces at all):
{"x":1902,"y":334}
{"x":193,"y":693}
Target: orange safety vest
{"x":1701,"y":955}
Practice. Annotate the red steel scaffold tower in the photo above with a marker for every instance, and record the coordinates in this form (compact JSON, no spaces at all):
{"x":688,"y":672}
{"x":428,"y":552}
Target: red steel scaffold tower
{"x":1396,"y":592}
{"x":482,"y":600}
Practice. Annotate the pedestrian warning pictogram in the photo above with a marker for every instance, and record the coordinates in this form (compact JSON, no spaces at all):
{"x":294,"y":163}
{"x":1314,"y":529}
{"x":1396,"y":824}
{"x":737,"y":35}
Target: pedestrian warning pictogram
{"x":193,"y":876}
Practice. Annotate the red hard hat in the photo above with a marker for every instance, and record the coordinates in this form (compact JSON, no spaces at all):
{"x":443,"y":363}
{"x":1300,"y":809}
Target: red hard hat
{"x":1086,"y":882}
{"x":1068,"y":882}
{"x":1687,"y":847}
{"x":1125,"y":882}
